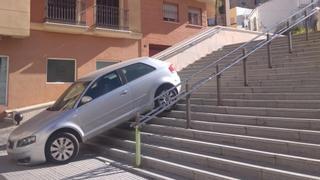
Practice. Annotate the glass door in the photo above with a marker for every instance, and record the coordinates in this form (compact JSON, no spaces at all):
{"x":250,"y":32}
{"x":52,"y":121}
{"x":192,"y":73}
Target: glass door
{"x":3,"y":80}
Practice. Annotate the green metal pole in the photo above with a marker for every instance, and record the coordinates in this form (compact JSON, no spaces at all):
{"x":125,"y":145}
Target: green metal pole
{"x":138,"y":147}
{"x":138,"y":141}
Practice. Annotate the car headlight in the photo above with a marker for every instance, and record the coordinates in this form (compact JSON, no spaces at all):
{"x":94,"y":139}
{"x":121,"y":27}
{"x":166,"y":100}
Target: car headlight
{"x":26,"y":141}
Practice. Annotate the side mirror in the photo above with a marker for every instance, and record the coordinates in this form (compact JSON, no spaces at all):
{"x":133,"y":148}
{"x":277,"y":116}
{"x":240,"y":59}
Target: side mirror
{"x":18,"y":117}
{"x":86,"y":99}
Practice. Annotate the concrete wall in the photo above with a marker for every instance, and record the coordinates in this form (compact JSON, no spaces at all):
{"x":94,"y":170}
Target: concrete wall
{"x":225,"y":36}
{"x":15,"y":18}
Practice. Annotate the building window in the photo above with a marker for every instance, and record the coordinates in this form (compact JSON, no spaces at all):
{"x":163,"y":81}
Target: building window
{"x":3,"y":80}
{"x":137,"y":70}
{"x":104,"y":85}
{"x":194,"y":16}
{"x":170,"y":12}
{"x":61,"y":70}
{"x":102,"y":64}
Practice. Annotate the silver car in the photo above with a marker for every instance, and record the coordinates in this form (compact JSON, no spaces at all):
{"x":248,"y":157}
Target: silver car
{"x":90,"y":106}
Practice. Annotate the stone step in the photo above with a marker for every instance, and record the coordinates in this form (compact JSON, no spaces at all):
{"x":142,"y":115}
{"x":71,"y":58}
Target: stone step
{"x":262,"y":83}
{"x":263,"y":59}
{"x":294,"y":148}
{"x":255,"y":111}
{"x":263,"y":65}
{"x":267,"y":89}
{"x":307,"y":136}
{"x":252,"y":71}
{"x":298,"y":104}
{"x":259,"y":96}
{"x":209,"y":163}
{"x":284,"y":76}
{"x":283,"y":41}
{"x":178,"y":171}
{"x":256,"y":157}
{"x":275,"y":51}
{"x":148,"y":174}
{"x":280,"y":122}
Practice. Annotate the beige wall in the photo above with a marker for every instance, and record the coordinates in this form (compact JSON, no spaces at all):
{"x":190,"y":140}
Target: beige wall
{"x":15,"y":18}
{"x":225,"y":36}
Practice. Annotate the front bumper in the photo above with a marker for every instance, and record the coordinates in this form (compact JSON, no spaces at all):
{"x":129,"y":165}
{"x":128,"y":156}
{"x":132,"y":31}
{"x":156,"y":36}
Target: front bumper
{"x":28,"y":155}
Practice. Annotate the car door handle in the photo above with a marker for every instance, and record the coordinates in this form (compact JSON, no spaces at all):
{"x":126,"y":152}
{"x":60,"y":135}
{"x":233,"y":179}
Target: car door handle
{"x":124,"y":92}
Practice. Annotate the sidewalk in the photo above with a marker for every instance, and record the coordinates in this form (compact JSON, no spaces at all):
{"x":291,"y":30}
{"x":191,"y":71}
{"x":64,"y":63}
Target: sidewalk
{"x":87,"y":166}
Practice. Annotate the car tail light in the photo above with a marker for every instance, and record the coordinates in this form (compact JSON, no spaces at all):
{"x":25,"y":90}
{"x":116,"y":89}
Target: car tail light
{"x":171,"y":68}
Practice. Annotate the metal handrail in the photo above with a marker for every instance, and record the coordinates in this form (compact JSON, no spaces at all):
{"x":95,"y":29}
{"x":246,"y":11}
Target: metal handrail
{"x":150,"y":115}
{"x":187,"y":43}
{"x":253,"y":39}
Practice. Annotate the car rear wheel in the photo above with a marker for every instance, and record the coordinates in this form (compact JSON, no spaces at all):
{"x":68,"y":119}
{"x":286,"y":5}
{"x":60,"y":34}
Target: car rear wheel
{"x":167,"y":98}
{"x":62,"y":148}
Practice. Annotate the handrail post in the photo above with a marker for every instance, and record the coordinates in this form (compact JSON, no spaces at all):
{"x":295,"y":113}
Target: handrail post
{"x":306,"y":25}
{"x":218,"y":86}
{"x":188,"y":106}
{"x":245,"y":77}
{"x":289,"y":38}
{"x":138,"y":142}
{"x":269,"y":52}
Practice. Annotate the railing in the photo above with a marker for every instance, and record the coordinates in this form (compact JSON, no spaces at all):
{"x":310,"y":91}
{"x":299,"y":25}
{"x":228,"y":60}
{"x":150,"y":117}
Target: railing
{"x":66,"y":12}
{"x":111,"y":17}
{"x":187,"y":43}
{"x":247,"y":49}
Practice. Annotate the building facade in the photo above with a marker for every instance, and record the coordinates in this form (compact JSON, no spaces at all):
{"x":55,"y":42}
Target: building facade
{"x":47,"y":44}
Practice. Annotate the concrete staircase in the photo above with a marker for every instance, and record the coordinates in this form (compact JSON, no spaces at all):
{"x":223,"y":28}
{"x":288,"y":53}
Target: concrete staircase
{"x":267,"y":130}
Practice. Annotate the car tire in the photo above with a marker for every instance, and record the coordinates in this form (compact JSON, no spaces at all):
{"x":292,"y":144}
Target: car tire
{"x":62,"y":148}
{"x":169,"y":97}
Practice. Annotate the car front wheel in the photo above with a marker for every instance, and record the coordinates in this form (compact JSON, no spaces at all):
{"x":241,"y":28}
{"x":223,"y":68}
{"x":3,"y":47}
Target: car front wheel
{"x":62,"y":148}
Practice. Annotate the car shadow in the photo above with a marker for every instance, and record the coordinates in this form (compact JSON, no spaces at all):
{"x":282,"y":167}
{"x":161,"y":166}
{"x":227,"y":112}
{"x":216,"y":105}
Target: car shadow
{"x":105,"y":171}
{"x":90,"y":166}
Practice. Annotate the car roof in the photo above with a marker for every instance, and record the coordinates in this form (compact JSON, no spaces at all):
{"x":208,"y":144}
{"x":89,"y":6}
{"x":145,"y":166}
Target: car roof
{"x":147,"y":60}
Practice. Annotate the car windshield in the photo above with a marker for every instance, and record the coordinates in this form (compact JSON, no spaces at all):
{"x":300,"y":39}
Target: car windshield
{"x":68,"y":99}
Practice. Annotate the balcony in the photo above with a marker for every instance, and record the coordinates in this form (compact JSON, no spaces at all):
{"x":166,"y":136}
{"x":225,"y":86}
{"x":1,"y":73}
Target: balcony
{"x":111,"y":17}
{"x":66,"y":12}
{"x":75,"y":12}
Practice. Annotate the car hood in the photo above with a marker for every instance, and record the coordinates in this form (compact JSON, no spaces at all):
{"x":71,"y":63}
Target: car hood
{"x":36,"y":123}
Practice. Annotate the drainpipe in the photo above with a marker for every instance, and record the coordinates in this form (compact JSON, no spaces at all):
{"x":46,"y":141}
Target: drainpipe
{"x":227,"y":10}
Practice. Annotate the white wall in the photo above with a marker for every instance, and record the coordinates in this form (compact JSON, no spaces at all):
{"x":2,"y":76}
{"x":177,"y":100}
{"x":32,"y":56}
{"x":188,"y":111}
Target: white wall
{"x":273,"y":12}
{"x":225,"y":36}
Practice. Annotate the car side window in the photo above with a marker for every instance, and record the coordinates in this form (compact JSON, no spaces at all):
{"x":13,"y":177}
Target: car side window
{"x":137,"y":70}
{"x":103,"y":85}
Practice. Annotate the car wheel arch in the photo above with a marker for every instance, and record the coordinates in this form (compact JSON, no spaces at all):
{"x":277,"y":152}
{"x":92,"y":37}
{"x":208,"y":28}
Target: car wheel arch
{"x":68,"y":130}
{"x":164,"y":85}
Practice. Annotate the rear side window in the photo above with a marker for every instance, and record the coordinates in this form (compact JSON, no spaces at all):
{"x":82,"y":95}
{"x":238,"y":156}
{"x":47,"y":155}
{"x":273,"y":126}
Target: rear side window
{"x":137,"y":70}
{"x":104,"y":85}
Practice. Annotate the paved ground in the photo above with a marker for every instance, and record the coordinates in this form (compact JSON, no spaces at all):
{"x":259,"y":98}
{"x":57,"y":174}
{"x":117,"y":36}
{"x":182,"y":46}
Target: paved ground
{"x":87,"y":166}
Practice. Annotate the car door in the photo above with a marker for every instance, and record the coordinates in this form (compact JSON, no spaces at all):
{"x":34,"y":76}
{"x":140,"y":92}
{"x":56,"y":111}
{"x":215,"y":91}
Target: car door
{"x":141,"y":81}
{"x":110,"y":105}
